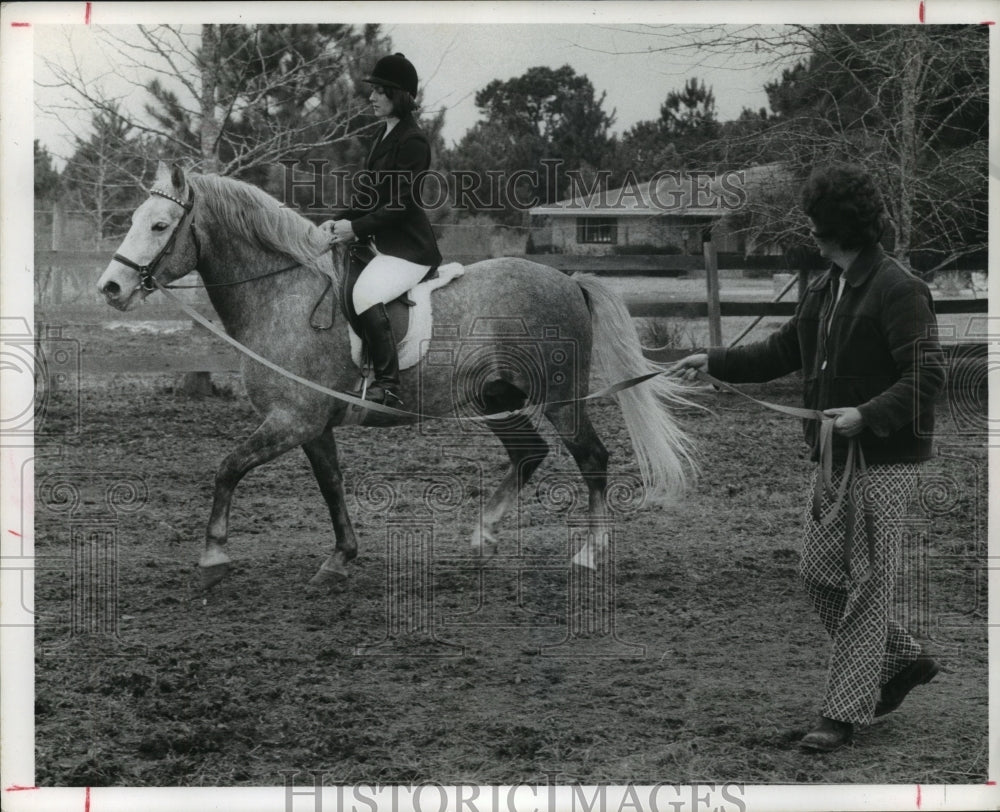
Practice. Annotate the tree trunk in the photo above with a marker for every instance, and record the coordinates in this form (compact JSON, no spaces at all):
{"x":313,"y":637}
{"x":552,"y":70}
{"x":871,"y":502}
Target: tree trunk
{"x":210,"y":127}
{"x":199,"y":384}
{"x":58,"y":225}
{"x":913,"y":55}
{"x":99,"y":206}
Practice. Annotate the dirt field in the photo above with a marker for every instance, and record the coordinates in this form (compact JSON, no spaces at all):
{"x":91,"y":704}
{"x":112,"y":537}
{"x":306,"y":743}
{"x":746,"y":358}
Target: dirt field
{"x":699,"y":660}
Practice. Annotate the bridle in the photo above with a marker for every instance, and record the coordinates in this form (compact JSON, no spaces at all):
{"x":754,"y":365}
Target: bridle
{"x":149,"y":284}
{"x":146,"y":281}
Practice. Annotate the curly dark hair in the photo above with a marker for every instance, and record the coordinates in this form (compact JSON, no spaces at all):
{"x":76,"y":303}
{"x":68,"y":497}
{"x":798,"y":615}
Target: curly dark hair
{"x":845,"y":205}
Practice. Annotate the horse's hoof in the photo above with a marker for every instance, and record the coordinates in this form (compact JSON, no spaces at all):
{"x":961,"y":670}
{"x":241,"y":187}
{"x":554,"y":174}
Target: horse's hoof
{"x":484,"y":544}
{"x":212,"y":574}
{"x":485,"y":552}
{"x":332,"y":573}
{"x":329,"y":578}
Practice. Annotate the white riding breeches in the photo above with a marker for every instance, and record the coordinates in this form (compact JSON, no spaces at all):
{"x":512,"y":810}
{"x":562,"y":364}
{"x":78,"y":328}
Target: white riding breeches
{"x":386,"y":278}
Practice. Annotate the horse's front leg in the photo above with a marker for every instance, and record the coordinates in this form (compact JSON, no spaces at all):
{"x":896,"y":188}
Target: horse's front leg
{"x":322,"y":454}
{"x":272,"y":438}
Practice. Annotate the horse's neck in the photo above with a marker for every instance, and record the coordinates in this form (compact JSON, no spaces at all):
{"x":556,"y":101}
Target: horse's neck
{"x":229,"y":267}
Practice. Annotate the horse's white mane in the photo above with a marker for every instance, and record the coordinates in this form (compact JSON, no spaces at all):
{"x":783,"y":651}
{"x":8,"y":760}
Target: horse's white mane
{"x":258,"y":217}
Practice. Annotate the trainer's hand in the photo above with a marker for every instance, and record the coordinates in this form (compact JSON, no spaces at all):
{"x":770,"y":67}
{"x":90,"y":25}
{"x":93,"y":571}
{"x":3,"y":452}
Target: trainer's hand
{"x":687,"y":369}
{"x":849,"y":421}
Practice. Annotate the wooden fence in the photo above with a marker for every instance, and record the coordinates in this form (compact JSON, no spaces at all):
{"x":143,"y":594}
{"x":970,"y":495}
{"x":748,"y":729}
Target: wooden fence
{"x":72,"y":272}
{"x":63,"y":277}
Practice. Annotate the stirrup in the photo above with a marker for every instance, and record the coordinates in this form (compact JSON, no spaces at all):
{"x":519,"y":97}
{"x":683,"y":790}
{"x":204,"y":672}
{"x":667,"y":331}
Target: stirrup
{"x":383,"y":396}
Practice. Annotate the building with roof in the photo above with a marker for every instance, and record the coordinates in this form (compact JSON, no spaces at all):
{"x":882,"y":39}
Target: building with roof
{"x":674,"y":212}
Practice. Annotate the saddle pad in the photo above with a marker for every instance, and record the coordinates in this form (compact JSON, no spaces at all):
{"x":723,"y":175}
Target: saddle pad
{"x":418,"y":335}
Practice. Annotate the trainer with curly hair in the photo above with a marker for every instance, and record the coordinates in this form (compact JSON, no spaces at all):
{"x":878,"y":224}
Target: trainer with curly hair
{"x":863,"y":337}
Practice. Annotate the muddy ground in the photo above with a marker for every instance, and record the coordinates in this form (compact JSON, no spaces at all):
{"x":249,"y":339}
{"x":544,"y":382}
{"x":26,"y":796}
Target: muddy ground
{"x":696,"y":659}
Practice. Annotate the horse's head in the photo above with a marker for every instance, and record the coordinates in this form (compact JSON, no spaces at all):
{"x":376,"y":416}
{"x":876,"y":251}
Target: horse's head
{"x":160,"y":246}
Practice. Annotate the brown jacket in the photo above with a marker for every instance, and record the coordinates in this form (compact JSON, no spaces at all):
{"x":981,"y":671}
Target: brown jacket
{"x":878,"y":353}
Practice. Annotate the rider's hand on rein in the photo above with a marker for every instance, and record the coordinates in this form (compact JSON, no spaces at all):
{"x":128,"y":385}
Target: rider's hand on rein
{"x":342,"y":230}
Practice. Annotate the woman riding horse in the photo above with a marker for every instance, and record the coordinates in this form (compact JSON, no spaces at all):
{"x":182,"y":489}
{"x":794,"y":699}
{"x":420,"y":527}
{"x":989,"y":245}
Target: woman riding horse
{"x":392,"y":224}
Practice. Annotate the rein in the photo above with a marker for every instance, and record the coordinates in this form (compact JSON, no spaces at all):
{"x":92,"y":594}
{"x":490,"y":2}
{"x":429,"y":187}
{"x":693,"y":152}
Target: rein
{"x":378,"y":407}
{"x":855,"y":469}
{"x":207,"y":285}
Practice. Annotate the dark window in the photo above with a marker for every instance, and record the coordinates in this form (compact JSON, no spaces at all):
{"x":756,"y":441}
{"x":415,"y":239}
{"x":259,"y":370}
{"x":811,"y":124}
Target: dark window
{"x":597,"y":229}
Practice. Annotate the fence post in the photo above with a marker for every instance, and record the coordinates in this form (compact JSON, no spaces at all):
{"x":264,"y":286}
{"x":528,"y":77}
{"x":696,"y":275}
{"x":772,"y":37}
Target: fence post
{"x":56,"y":276}
{"x":803,"y":283}
{"x":58,"y":224}
{"x":712,"y":280}
{"x":195,"y":385}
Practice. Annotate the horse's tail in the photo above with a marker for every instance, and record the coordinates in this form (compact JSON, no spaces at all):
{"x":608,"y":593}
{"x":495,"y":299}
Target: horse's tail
{"x":663,"y":450}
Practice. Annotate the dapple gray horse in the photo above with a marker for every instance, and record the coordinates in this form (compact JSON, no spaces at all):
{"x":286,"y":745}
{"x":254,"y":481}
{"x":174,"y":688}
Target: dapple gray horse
{"x":242,"y":241}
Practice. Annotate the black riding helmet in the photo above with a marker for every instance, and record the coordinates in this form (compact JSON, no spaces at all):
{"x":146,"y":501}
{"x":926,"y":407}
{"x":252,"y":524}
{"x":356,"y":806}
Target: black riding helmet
{"x":395,"y":71}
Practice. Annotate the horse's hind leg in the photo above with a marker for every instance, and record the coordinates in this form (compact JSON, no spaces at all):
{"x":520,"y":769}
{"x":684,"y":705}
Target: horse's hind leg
{"x":272,"y":438}
{"x":526,"y":450}
{"x":577,"y":432}
{"x":322,"y":454}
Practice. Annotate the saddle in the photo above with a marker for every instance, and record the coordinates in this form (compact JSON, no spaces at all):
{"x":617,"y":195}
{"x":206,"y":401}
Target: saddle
{"x":411,"y":321}
{"x":398,"y":310}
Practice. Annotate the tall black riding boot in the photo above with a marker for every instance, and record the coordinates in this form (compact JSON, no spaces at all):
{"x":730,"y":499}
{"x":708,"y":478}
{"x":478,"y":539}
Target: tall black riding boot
{"x":381,"y":346}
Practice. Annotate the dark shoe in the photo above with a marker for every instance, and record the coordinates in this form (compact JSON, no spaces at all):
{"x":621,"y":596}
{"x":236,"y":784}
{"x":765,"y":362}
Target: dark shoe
{"x":828,"y":735}
{"x":377,"y":334}
{"x":921,"y":671}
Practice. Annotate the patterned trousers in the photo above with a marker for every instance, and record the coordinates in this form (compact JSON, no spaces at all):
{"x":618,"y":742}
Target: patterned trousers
{"x":868,"y":645}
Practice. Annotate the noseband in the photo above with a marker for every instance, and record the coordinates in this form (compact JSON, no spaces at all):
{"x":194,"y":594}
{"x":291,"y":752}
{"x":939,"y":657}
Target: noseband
{"x":146,"y":281}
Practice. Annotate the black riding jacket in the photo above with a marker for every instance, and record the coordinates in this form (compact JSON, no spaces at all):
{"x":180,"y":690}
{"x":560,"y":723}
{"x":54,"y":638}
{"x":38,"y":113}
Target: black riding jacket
{"x":386,"y":207}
